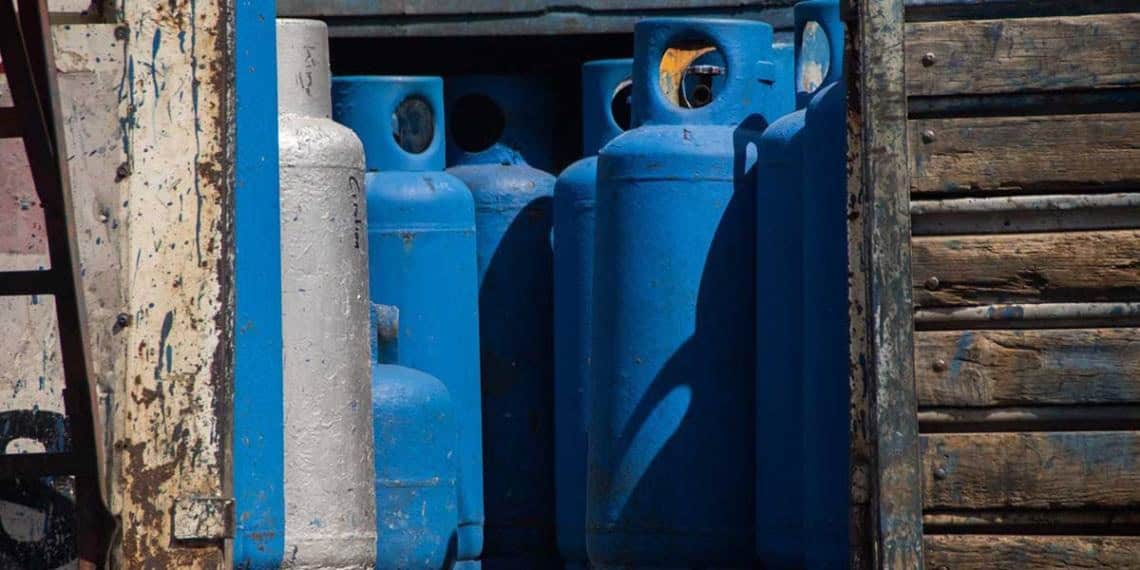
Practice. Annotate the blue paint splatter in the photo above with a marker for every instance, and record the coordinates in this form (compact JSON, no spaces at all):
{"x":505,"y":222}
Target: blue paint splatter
{"x":154,"y":58}
{"x":167,"y":324}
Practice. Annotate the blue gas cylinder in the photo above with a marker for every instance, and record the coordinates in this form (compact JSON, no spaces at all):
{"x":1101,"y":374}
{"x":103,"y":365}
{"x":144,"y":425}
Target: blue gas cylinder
{"x":421,"y":255}
{"x":606,"y":89}
{"x":415,"y":437}
{"x":671,"y":478}
{"x":513,"y":226}
{"x":826,"y":388}
{"x":784,"y":89}
{"x":500,"y":119}
{"x":795,"y":272}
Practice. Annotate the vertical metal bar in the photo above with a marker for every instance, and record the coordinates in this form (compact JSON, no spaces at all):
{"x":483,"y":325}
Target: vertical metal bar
{"x":34,"y":36}
{"x":258,"y":414}
{"x":30,"y":67}
{"x":881,"y":142}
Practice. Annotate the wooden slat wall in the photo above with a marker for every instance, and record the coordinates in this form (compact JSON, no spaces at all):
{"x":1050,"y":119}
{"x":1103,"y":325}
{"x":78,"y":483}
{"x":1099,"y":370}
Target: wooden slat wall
{"x":981,"y":552}
{"x":1014,"y":155}
{"x":1019,"y":55}
{"x":1030,"y":427}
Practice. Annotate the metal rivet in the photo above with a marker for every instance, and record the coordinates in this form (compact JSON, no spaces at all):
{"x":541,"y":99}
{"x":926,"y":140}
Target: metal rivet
{"x":928,"y":59}
{"x":122,"y":320}
{"x":933,"y":283}
{"x":939,"y":365}
{"x":940,"y":473}
{"x":928,"y":136}
{"x":123,"y":171}
{"x":122,"y":33}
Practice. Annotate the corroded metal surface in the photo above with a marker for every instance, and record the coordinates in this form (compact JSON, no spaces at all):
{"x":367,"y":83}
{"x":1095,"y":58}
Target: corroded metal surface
{"x":881,"y":142}
{"x":172,"y":412}
{"x":89,"y":61}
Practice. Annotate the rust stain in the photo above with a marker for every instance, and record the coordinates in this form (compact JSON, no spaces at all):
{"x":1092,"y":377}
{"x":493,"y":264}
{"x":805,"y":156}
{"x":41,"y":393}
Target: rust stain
{"x":173,"y":423}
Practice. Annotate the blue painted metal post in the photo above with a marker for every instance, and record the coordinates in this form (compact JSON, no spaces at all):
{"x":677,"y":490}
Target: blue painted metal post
{"x":605,"y":87}
{"x":258,"y":438}
{"x":671,"y":439}
{"x":513,"y":225}
{"x":421,"y":256}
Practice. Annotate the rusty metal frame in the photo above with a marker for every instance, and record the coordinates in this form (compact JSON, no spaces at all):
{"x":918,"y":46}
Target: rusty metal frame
{"x":877,"y":139}
{"x":25,"y":40}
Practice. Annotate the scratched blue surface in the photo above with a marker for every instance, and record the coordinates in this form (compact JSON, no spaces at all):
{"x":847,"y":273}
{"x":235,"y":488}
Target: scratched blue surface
{"x":258,"y":445}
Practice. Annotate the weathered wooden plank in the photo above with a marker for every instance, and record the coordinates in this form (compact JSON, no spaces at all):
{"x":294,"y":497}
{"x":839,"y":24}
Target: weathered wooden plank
{"x":877,"y":146}
{"x":1021,"y":214}
{"x":998,"y":552}
{"x":1027,"y":54}
{"x":1028,"y":268}
{"x":1052,"y":521}
{"x":1029,"y":418}
{"x":1023,"y":154}
{"x":1031,"y":470}
{"x":1029,"y":316}
{"x":863,"y":535}
{"x":932,"y":10}
{"x":1024,"y":368}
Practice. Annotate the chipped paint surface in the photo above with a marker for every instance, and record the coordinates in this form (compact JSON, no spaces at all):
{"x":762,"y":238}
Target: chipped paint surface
{"x":146,"y":119}
{"x":174,"y":102}
{"x":89,"y":61}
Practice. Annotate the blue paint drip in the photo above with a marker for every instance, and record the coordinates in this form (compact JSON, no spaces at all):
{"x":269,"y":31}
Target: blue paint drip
{"x":258,"y":413}
{"x":167,"y":324}
{"x":155,"y":44}
{"x":197,"y":130}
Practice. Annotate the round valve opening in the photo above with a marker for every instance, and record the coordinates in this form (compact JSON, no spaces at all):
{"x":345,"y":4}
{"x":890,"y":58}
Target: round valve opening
{"x":413,"y":124}
{"x":692,"y":74}
{"x":477,"y":122}
{"x":814,"y":58}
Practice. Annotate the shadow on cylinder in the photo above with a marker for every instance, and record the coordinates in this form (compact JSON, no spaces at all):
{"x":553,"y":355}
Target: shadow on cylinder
{"x":513,"y":251}
{"x":671,"y":419}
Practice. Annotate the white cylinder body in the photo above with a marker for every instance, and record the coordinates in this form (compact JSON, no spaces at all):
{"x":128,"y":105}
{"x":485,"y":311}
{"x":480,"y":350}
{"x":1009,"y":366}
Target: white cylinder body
{"x":330,"y":506}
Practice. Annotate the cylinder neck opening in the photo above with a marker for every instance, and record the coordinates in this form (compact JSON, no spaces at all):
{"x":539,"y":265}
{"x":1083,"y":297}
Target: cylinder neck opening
{"x":814,"y":62}
{"x":692,"y":73}
{"x":477,"y":122}
{"x":413,"y":124}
